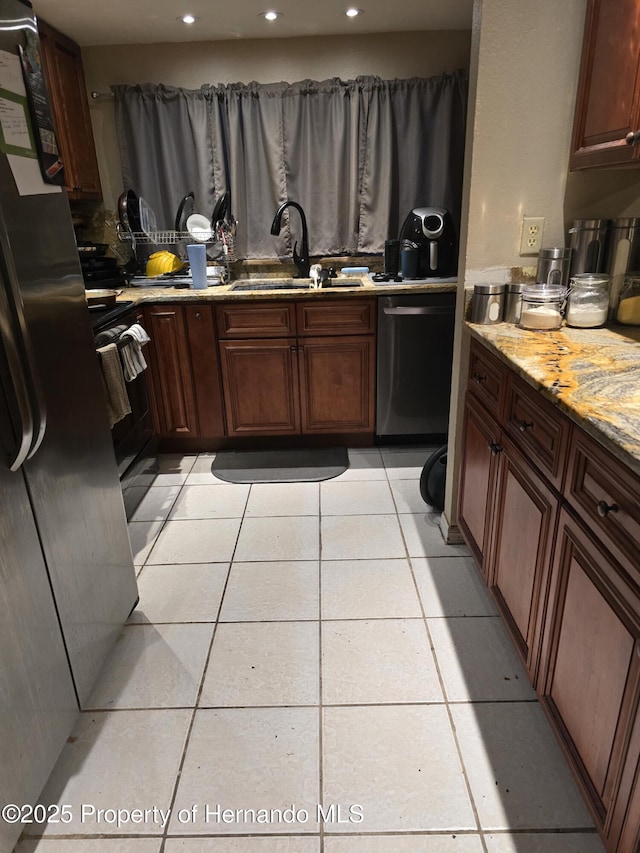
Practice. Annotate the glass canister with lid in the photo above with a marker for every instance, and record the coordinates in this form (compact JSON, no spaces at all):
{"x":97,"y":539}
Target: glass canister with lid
{"x":629,"y":305}
{"x":542,"y":306}
{"x":588,"y":301}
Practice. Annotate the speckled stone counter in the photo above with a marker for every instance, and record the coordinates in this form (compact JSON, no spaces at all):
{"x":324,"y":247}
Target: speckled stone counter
{"x":593,"y":375}
{"x":363,"y":287}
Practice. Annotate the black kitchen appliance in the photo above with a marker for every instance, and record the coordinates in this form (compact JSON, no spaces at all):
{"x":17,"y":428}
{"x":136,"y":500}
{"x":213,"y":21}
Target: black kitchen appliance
{"x":433,"y":231}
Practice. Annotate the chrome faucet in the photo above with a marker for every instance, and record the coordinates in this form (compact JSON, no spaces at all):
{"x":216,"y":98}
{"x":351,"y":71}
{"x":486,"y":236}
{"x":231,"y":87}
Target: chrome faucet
{"x":300,"y":260}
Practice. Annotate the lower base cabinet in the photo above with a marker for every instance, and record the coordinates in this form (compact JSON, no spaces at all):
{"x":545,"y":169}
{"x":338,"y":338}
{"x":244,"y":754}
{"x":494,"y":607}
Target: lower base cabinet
{"x":550,"y":518}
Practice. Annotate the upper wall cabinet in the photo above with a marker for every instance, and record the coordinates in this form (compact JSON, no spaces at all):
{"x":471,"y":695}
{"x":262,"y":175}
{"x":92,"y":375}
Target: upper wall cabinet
{"x":606,"y":129}
{"x":65,"y":79}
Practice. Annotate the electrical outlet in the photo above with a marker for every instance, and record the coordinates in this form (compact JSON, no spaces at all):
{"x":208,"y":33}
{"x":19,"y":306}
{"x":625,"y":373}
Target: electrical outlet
{"x":532,"y":231}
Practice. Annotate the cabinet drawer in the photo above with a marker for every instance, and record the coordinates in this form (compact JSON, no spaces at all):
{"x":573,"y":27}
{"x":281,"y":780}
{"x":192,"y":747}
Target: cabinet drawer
{"x":606,"y":495}
{"x":537,"y":428}
{"x":486,"y":379}
{"x":337,"y":317}
{"x":256,"y":320}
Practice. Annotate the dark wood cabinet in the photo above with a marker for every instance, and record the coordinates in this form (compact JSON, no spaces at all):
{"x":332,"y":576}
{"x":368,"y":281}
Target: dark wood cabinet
{"x":205,"y":367}
{"x":553,"y":520}
{"x":67,"y":89}
{"x":260,"y":380}
{"x":607,"y":120}
{"x":591,"y":668}
{"x":280,"y":380}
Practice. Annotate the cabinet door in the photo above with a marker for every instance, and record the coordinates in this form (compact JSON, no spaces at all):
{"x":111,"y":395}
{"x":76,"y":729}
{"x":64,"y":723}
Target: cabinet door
{"x":526,"y":511}
{"x":590,"y":671}
{"x":172,"y":392}
{"x":480,"y":449}
{"x":205,"y":364}
{"x":260,"y":382}
{"x":608,"y":102}
{"x":337,"y":377}
{"x":67,"y":89}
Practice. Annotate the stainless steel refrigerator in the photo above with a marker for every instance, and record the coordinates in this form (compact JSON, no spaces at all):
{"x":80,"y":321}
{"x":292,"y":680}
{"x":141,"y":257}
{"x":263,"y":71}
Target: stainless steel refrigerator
{"x":67,"y":582}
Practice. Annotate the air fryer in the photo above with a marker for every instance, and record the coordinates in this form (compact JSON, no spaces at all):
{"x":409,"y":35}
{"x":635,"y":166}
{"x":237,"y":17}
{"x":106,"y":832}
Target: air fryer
{"x":433,"y":231}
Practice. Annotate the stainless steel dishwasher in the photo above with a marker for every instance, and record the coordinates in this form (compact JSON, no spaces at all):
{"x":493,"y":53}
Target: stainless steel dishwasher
{"x":415,"y":353}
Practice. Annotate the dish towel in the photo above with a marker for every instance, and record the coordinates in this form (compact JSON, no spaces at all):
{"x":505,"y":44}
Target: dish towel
{"x":115,"y":391}
{"x":133,"y":361}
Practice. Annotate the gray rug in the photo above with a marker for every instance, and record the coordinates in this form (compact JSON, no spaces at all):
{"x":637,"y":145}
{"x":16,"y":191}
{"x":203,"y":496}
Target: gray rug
{"x":298,"y":465}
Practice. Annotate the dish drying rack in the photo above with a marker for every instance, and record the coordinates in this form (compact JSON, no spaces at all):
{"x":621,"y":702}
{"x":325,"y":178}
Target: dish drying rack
{"x":221,"y":235}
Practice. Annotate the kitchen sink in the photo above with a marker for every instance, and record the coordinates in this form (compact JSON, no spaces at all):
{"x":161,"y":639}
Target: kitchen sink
{"x":289,"y":284}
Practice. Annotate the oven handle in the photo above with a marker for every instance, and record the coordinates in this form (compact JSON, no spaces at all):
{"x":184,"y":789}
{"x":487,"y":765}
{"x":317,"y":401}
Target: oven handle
{"x":421,"y":309}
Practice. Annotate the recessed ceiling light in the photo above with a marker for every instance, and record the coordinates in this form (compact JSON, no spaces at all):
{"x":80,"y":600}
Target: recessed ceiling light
{"x":187,"y":19}
{"x":272,"y":15}
{"x":353,"y":12}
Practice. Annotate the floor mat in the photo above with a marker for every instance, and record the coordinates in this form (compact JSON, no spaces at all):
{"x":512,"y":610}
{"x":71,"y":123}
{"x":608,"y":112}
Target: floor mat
{"x":298,"y":465}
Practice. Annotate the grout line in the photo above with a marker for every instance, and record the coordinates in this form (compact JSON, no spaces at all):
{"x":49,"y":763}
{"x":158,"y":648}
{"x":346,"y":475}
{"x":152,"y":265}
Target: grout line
{"x":320,"y":701}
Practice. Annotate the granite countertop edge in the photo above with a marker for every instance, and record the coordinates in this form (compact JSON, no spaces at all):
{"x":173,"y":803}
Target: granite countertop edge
{"x":591,"y":375}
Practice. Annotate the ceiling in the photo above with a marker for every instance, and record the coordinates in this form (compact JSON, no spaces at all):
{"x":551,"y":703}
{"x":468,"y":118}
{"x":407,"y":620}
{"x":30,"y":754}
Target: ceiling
{"x":153,"y":21}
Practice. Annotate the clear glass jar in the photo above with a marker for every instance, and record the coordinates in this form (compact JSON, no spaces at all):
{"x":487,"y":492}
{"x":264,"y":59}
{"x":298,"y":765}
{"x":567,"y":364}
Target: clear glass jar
{"x":542,"y":306}
{"x":588,"y":302}
{"x":629,"y":305}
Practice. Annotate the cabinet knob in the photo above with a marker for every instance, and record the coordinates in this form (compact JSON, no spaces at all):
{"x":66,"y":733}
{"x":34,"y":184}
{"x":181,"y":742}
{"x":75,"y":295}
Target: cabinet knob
{"x":523,"y":426}
{"x":198,"y":315}
{"x":604,"y":508}
{"x":495,"y":448}
{"x":293,"y":348}
{"x":77,"y":188}
{"x":479,"y":378}
{"x":631,"y":138}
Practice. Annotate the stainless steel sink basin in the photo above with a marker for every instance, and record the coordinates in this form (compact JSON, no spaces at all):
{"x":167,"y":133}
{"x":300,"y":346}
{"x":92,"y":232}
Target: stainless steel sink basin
{"x":289,"y":284}
{"x":271,"y":285}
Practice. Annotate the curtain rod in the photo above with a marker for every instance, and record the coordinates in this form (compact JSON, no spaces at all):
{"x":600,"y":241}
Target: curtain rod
{"x":102,"y":96}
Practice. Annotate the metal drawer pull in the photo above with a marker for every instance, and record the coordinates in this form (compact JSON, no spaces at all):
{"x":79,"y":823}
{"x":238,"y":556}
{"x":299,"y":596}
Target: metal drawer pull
{"x":198,"y":315}
{"x":495,"y":448}
{"x":523,"y":426}
{"x":604,"y":509}
{"x":479,"y":378}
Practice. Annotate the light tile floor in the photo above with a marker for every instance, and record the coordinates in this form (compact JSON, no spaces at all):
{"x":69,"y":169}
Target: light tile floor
{"x":310,"y":644}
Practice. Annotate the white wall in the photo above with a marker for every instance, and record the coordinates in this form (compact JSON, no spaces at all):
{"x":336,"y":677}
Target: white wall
{"x":388,"y":55}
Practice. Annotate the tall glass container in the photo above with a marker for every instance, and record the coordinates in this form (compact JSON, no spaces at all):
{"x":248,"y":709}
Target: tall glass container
{"x":588,"y":303}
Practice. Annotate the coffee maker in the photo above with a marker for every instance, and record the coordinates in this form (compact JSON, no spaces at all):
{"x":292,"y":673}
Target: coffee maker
{"x":433,"y":231}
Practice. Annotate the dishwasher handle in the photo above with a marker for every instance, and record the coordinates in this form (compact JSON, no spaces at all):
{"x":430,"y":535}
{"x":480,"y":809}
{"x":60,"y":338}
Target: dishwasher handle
{"x":421,"y":309}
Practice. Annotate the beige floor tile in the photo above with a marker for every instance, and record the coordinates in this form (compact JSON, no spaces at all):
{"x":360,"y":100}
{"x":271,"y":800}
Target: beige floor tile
{"x":400,"y":763}
{"x":424,"y":539}
{"x":518,"y":777}
{"x":477,"y":660}
{"x":118,"y":759}
{"x":378,"y":661}
{"x":452,"y":843}
{"x":291,"y":844}
{"x":569,"y":842}
{"x":180,"y":593}
{"x":250,"y":758}
{"x":364,"y":464}
{"x":368,"y":589}
{"x":293,"y":538}
{"x":153,"y":666}
{"x":355,"y":498}
{"x":407,"y":497}
{"x":405,"y":463}
{"x":143,"y":536}
{"x":156,"y":504}
{"x":361,"y":537}
{"x":271,"y":592}
{"x":451,"y":586}
{"x":173,"y":470}
{"x":263,"y":663}
{"x":203,"y":541}
{"x":210,"y":502}
{"x":90,"y":845}
{"x":276,"y":499}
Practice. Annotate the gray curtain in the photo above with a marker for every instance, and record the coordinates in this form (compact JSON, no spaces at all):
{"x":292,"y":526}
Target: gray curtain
{"x":357,"y":155}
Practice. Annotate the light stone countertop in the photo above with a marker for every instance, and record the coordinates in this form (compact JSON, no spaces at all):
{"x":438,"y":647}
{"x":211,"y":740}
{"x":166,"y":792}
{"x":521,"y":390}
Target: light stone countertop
{"x":592,"y":375}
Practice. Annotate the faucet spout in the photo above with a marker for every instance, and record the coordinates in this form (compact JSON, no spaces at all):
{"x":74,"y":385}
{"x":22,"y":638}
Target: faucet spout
{"x":301,"y":260}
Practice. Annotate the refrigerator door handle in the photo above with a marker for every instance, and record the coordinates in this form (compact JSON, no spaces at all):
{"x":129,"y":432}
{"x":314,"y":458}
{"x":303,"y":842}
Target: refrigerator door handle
{"x":24,"y":376}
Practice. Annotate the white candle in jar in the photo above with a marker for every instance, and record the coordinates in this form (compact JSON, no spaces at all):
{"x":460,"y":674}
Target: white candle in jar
{"x":540,"y":317}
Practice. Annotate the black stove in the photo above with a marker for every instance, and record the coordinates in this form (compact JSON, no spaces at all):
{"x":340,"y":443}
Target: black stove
{"x":102,"y":318}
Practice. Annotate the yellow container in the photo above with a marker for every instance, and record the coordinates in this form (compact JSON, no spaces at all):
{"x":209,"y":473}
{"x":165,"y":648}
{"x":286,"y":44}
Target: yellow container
{"x":162,"y":262}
